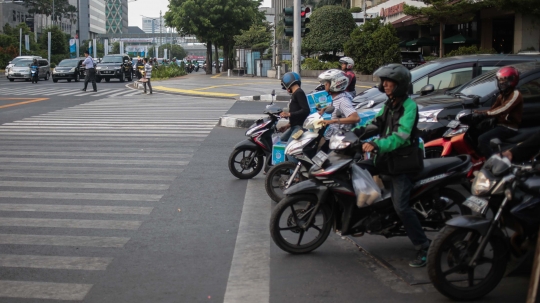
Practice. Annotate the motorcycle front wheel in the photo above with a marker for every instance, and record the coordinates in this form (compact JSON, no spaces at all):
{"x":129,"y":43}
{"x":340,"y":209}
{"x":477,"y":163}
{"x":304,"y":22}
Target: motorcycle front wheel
{"x":288,"y":220}
{"x":244,"y":163}
{"x":277,"y":177}
{"x":448,"y":264}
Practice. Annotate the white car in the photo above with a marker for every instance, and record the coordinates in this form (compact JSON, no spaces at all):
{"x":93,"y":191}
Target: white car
{"x":19,"y":58}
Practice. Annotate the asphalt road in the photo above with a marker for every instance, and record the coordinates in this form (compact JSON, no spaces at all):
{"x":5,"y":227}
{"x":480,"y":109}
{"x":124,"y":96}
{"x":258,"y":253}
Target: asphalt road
{"x":129,"y":199}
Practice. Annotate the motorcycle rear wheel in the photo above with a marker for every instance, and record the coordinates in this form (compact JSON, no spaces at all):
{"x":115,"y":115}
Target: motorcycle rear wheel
{"x":448,"y":259}
{"x":239,"y":166}
{"x":277,"y":177}
{"x":293,"y":212}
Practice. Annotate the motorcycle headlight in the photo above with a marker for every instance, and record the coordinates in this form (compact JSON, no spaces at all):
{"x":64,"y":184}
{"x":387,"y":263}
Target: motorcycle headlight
{"x":336,"y":142}
{"x":482,"y":185}
{"x":428,"y":115}
{"x":454,"y":132}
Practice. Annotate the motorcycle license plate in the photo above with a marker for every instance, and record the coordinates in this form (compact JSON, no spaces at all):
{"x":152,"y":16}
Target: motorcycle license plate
{"x":476,"y":204}
{"x":319,"y":158}
{"x":453,"y":124}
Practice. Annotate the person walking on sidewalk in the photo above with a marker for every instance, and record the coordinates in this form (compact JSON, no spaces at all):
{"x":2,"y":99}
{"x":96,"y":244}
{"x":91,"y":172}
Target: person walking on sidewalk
{"x":147,"y":75}
{"x":90,"y":71}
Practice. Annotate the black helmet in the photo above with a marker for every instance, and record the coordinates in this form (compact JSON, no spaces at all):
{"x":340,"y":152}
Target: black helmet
{"x":396,"y":73}
{"x":289,"y":79}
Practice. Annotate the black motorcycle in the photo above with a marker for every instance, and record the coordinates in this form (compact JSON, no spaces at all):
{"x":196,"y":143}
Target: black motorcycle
{"x":248,"y":157}
{"x":302,"y":221}
{"x":469,"y":257}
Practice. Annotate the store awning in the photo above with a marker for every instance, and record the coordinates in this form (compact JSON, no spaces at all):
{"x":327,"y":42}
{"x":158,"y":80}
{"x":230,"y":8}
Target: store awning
{"x":402,"y":43}
{"x":404,"y":21}
{"x":459,"y":39}
{"x":422,"y":41}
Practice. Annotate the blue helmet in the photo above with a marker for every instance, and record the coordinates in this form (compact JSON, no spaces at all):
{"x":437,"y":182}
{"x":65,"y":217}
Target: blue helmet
{"x":289,"y":79}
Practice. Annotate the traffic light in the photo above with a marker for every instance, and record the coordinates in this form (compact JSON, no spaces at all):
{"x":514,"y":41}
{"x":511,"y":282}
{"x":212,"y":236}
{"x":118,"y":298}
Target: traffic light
{"x":303,"y":17}
{"x":289,"y":21}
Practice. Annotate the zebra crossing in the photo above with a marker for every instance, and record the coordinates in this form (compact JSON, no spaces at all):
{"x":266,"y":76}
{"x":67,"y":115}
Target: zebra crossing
{"x":78,"y":183}
{"x":72,"y":91}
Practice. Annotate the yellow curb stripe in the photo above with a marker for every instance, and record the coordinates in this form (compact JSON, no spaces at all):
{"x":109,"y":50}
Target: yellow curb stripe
{"x":225,"y":85}
{"x":21,"y":103}
{"x":193,"y":92}
{"x":218,"y":75}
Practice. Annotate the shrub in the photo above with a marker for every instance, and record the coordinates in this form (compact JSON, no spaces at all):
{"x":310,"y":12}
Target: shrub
{"x":169,"y":71}
{"x":469,"y":50}
{"x":355,"y":9}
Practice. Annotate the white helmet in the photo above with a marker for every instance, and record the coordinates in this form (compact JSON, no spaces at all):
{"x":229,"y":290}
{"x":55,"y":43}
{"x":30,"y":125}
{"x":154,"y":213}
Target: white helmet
{"x":338,"y":80}
{"x":349,"y":61}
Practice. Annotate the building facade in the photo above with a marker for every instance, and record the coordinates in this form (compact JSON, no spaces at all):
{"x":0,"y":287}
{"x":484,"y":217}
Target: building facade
{"x":116,"y":13}
{"x":148,"y":22}
{"x":92,"y":19}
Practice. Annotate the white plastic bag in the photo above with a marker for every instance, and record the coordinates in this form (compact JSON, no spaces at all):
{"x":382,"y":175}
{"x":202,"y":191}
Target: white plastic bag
{"x":366,"y":190}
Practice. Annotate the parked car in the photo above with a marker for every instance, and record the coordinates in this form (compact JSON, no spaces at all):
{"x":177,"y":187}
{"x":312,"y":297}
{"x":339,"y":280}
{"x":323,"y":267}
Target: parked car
{"x":441,"y":75}
{"x":438,"y":110}
{"x":69,"y":69}
{"x":21,"y":70}
{"x":17,"y":59}
{"x":412,"y":59}
{"x":115,"y":66}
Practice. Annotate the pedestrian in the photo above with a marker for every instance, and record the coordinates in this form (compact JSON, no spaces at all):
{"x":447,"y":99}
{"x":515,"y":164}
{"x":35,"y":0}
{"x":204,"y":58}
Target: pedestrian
{"x":147,"y":75}
{"x":90,"y":71}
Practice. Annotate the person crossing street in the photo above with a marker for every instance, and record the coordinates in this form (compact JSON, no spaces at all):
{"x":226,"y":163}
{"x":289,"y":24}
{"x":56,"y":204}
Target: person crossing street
{"x":147,"y":75}
{"x":90,"y":71}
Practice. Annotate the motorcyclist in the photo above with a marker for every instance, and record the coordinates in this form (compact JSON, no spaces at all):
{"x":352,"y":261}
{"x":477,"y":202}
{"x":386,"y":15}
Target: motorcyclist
{"x":35,"y":66}
{"x":347,"y":65}
{"x":335,"y":83}
{"x":397,"y":123}
{"x":298,"y":106}
{"x":507,"y":110}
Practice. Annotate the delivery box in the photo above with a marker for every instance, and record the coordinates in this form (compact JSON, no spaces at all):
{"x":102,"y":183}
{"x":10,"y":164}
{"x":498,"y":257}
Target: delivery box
{"x":278,"y":152}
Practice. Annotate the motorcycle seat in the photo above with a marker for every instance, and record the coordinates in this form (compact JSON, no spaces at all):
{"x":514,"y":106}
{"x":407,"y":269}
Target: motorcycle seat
{"x":522,"y":135}
{"x":433,"y":167}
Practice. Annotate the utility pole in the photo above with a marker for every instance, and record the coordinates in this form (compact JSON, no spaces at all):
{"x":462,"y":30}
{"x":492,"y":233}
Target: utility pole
{"x":297,"y":39}
{"x":53,"y":12}
{"x":160,"y":38}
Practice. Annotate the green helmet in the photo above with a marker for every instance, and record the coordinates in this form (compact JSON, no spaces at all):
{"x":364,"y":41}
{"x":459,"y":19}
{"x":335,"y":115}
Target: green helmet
{"x":396,"y":73}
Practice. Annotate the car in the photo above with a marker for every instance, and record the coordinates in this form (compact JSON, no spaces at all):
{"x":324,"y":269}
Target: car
{"x":19,"y":58}
{"x":412,"y":59}
{"x":441,"y":75}
{"x":21,"y":70}
{"x":479,"y":93}
{"x":115,"y":67}
{"x":69,"y":69}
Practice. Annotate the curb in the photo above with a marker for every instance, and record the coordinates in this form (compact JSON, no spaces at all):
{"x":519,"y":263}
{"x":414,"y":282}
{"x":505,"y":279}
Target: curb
{"x":265,"y":98}
{"x":239,"y":121}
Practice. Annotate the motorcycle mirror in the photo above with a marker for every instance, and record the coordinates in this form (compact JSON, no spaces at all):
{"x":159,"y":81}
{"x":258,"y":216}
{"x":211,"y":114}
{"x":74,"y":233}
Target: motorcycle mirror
{"x":339,"y":113}
{"x":495,"y":144}
{"x":329,"y":109}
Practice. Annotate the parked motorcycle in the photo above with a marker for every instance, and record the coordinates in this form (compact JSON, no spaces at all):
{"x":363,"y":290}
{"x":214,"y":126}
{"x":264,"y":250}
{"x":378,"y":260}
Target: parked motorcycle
{"x":469,"y":256}
{"x":327,"y":200}
{"x":248,"y":157}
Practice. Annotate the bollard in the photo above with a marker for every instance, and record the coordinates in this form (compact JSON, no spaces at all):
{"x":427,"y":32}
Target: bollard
{"x":229,"y":72}
{"x":279,"y":72}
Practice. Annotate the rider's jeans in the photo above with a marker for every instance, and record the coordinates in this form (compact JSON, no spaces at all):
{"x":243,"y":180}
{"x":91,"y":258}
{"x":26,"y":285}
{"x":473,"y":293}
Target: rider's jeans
{"x":286,"y":137}
{"x":401,"y":193}
{"x":500,"y":132}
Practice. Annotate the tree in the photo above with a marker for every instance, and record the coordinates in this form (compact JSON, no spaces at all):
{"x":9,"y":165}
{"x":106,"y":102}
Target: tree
{"x":330,"y":27}
{"x":100,"y":48}
{"x":355,"y":9}
{"x":526,"y":7}
{"x":373,"y":44}
{"x":116,"y":47}
{"x":59,"y":43}
{"x":62,"y":9}
{"x":258,"y":37}
{"x":342,"y":3}
{"x":176,"y":51}
{"x":14,"y":33}
{"x":445,"y":12}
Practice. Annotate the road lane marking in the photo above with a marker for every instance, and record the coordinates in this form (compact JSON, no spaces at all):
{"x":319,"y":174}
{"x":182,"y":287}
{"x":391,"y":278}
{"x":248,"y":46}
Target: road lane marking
{"x":141,"y":170}
{"x":91,"y":161}
{"x":96,"y":154}
{"x":216,"y":76}
{"x":55,"y":262}
{"x":43,"y":290}
{"x":86,"y":209}
{"x":70,"y":223}
{"x":108,"y":185}
{"x":87,"y":241}
{"x":249,"y":276}
{"x":80,"y":196}
{"x":23,"y":102}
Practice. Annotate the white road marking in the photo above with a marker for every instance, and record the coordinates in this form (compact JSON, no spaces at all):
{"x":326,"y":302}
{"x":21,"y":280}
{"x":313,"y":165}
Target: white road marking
{"x":86,"y":209}
{"x":55,"y":262}
{"x":43,"y":290}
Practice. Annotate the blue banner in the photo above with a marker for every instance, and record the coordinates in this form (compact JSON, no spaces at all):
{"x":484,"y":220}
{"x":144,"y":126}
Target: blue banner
{"x":72,"y":46}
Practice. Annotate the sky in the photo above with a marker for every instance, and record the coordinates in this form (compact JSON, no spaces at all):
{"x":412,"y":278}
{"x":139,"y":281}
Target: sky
{"x":151,"y":8}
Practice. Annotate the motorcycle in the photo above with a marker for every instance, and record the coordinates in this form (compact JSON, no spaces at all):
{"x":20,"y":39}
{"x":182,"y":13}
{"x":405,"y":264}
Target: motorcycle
{"x":327,"y":200}
{"x":34,"y":74}
{"x":470,"y":256}
{"x":248,"y":157}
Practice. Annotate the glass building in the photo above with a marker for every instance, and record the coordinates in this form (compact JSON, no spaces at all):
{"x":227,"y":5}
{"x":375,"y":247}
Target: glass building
{"x":116,"y":14}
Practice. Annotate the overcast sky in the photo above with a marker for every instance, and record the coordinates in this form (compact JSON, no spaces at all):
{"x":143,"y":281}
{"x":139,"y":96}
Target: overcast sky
{"x":151,"y":8}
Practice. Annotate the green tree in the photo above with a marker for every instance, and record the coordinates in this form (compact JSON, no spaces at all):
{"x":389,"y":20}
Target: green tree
{"x":342,"y":3}
{"x":177,"y":51}
{"x":62,"y":8}
{"x":330,"y":27}
{"x":372,"y":45}
{"x":86,"y":44}
{"x":116,"y":47}
{"x":443,"y":12}
{"x":257,"y":37}
{"x":355,"y":9}
{"x":14,"y":33}
{"x":526,"y":7}
{"x":59,"y":43}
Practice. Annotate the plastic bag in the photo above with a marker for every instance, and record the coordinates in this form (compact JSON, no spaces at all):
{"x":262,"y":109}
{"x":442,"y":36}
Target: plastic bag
{"x":366,"y":190}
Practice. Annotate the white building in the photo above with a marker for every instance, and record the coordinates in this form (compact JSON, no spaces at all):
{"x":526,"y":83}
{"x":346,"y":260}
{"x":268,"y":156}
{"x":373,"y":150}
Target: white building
{"x":92,"y":19}
{"x":147,"y":23}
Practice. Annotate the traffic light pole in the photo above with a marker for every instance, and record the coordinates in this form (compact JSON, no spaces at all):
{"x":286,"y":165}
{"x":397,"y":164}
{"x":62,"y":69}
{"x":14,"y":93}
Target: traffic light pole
{"x":297,"y":39}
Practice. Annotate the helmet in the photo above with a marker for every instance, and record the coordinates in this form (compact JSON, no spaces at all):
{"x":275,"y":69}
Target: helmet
{"x":349,"y":61}
{"x":396,"y":73}
{"x":289,"y":79}
{"x":338,"y":80}
{"x":507,"y":79}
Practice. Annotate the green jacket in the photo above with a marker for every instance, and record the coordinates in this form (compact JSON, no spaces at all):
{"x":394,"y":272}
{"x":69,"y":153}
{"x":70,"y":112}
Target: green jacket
{"x":396,"y":125}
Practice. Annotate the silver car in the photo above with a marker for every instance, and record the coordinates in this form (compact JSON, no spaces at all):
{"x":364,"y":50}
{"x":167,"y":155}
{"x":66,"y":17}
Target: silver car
{"x":19,"y":58}
{"x":21,"y":70}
